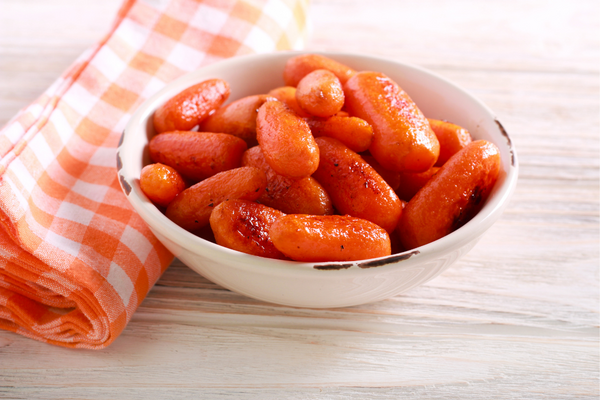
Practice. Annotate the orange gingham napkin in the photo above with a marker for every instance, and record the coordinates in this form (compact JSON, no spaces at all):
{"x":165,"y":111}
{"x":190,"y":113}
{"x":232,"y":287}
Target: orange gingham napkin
{"x":75,"y":260}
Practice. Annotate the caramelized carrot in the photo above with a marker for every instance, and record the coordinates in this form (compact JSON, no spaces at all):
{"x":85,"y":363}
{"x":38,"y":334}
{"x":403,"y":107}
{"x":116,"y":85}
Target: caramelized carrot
{"x":197,"y":155}
{"x":390,"y":177}
{"x":161,"y":183}
{"x":320,"y":93}
{"x":244,"y":226}
{"x":412,"y":182}
{"x":319,"y":238}
{"x":452,"y":196}
{"x":287,"y":95}
{"x":292,"y":196}
{"x":354,"y":132}
{"x":188,"y":108}
{"x":191,"y":208}
{"x":286,"y":141}
{"x":452,"y":138}
{"x":237,"y":118}
{"x":354,"y":186}
{"x":298,"y":67}
{"x":402,"y":137}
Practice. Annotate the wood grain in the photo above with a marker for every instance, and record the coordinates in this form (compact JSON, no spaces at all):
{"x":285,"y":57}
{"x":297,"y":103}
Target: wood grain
{"x":517,"y":318}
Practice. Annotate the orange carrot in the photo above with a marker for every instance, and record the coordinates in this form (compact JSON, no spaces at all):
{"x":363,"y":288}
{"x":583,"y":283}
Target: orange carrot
{"x":286,"y":141}
{"x":452,"y":138}
{"x":161,"y":183}
{"x":452,"y":196}
{"x":237,"y":118}
{"x":197,"y":155}
{"x":191,"y":208}
{"x":354,"y":186}
{"x":244,"y":226}
{"x":402,"y":137}
{"x":188,"y":108}
{"x":292,"y":196}
{"x":314,"y":238}
{"x":320,"y":93}
{"x":298,"y":67}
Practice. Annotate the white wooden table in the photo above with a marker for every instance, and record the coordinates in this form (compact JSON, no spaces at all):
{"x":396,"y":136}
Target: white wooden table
{"x":517,"y":318}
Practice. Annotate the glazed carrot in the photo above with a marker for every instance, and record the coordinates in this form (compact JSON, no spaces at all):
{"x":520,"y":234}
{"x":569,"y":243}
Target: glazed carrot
{"x":320,"y":93}
{"x":452,"y":196}
{"x":298,"y":67}
{"x":354,"y":186}
{"x":320,"y":238}
{"x":191,"y":208}
{"x":452,"y":138}
{"x":354,"y":132}
{"x":402,"y":137}
{"x":412,"y":182}
{"x":287,"y":95}
{"x":237,"y":118}
{"x":244,"y":226}
{"x":292,"y":196}
{"x":286,"y":141}
{"x":161,"y":183}
{"x":390,"y":177}
{"x":197,"y":155}
{"x":188,"y":108}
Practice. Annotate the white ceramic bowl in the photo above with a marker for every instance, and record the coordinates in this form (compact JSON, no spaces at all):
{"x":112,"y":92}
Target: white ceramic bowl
{"x":332,"y":284}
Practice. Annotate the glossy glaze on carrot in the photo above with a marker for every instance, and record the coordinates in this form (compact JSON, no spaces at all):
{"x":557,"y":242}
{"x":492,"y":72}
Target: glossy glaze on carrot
{"x":320,"y":93}
{"x":197,"y":155}
{"x":287,"y":95}
{"x":402,"y":137}
{"x":292,"y":196}
{"x":452,"y":196}
{"x":314,"y":238}
{"x":356,"y":133}
{"x":452,"y":138}
{"x":286,"y":141}
{"x":354,"y":186}
{"x":244,"y":226}
{"x":161,"y":183}
{"x":189,"y":107}
{"x":191,"y":208}
{"x":298,"y":67}
{"x":237,"y":118}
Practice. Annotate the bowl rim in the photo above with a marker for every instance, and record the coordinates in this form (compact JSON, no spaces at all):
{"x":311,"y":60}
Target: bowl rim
{"x":156,"y":220}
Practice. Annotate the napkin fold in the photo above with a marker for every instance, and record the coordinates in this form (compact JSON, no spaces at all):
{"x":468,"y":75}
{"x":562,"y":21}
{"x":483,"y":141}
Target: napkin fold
{"x":75,"y":260}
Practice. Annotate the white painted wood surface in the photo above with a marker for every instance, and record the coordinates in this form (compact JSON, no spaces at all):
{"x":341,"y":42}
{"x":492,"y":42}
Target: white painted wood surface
{"x":517,"y":318}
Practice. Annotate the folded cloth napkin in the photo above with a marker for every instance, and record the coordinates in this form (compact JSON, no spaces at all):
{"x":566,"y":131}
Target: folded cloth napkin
{"x":75,"y":260}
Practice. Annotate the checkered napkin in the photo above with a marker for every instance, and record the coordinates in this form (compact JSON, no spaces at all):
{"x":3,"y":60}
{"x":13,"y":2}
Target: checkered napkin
{"x":75,"y":260}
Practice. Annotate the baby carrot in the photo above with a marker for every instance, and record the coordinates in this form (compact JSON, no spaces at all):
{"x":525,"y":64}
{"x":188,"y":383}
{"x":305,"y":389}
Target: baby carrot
{"x":320,"y":238}
{"x":188,"y":108}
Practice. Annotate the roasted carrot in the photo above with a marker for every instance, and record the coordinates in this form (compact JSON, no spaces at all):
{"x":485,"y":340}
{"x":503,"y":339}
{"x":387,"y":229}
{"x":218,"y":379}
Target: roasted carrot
{"x":189,"y":107}
{"x":402,"y":137}
{"x":354,"y":186}
{"x":286,"y":141}
{"x":191,"y":208}
{"x":292,"y":196}
{"x":320,"y":93}
{"x":354,"y":132}
{"x":161,"y":183}
{"x":452,"y":196}
{"x":452,"y":138}
{"x":237,"y":118}
{"x":321,"y":238}
{"x":197,"y":155}
{"x":244,"y":226}
{"x":298,"y":67}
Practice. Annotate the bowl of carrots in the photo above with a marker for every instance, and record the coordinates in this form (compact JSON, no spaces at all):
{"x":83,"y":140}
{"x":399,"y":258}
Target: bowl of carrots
{"x":316,"y":179}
